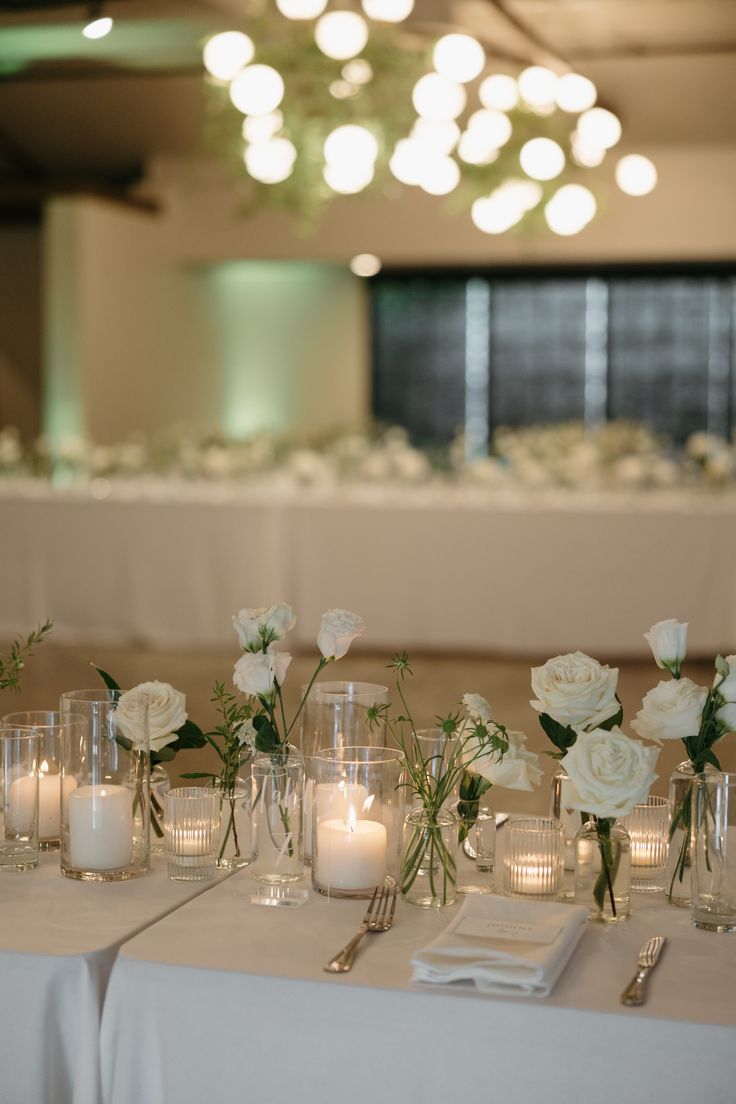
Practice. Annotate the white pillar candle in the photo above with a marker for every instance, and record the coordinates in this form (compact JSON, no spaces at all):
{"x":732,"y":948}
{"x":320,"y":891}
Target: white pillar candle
{"x":49,"y":803}
{"x":22,"y":807}
{"x":332,"y":800}
{"x":100,"y":827}
{"x":351,"y":855}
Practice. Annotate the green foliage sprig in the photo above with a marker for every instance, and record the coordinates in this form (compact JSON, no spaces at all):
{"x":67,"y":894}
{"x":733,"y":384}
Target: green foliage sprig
{"x":21,"y":649}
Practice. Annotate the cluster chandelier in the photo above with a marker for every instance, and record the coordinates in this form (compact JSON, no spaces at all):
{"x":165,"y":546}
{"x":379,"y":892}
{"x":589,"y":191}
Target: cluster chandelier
{"x":318,"y":103}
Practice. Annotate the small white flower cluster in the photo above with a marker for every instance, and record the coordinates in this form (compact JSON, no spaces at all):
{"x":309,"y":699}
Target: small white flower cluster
{"x":516,"y":768}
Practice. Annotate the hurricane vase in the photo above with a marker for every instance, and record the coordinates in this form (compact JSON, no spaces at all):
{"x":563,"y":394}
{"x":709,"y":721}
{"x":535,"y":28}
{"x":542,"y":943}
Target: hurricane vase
{"x":714,"y":852}
{"x":429,"y":862}
{"x":603,"y":872}
{"x":19,"y":763}
{"x":277,"y":789}
{"x":46,"y":725}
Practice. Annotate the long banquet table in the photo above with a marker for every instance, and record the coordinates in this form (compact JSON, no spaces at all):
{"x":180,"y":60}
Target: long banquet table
{"x":440,"y":568}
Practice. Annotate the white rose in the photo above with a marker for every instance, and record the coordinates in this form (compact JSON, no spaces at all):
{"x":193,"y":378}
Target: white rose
{"x":338,"y":629}
{"x":668,"y":641}
{"x":610,"y":772}
{"x":478,"y":708}
{"x":516,"y":770}
{"x":671,"y":711}
{"x":726,"y":717}
{"x":131,"y":719}
{"x":267,"y":622}
{"x":256,"y":672}
{"x":575,"y":690}
{"x":167,"y":712}
{"x":727,"y":688}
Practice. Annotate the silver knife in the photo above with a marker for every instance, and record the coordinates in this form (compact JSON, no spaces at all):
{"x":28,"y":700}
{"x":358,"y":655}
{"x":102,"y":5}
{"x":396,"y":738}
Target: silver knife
{"x":635,"y":992}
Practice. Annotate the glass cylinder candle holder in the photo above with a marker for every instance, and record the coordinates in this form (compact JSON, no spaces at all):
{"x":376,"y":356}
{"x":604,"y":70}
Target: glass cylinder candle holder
{"x":19,"y":848}
{"x":191,"y":832}
{"x":46,"y":724}
{"x":277,"y":782}
{"x":105,"y":792}
{"x":357,"y":815}
{"x":533,"y":864}
{"x":714,"y":852}
{"x":648,"y":827}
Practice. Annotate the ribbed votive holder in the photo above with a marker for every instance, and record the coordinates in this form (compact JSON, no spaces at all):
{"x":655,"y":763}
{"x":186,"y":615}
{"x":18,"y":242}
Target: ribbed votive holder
{"x":534,"y":858}
{"x":191,"y":832}
{"x":649,"y":828}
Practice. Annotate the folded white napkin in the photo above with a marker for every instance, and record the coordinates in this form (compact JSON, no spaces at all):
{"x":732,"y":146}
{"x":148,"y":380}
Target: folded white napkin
{"x":503,"y":945}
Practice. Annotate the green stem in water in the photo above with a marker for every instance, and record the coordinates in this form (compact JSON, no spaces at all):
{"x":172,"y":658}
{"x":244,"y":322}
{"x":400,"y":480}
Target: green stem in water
{"x":609,"y":864}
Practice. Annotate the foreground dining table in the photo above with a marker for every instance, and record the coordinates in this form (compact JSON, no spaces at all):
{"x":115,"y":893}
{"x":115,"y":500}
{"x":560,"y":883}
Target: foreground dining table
{"x":58,"y":942}
{"x":226,"y":1001}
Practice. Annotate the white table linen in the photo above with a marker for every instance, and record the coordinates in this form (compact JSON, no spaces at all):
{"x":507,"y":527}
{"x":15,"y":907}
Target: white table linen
{"x":58,"y":942}
{"x":437,"y":568}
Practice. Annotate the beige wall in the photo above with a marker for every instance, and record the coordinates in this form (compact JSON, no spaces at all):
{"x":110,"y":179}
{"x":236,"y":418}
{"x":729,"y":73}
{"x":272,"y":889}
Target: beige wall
{"x":20,"y":327}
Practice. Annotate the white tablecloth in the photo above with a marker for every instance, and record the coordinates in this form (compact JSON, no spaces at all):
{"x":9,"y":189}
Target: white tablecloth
{"x":58,"y":942}
{"x":224,"y":1001}
{"x":435,"y":568}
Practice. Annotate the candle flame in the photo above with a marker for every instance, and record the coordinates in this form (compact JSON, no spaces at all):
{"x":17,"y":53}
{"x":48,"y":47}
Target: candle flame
{"x":44,"y":768}
{"x":368,"y":802}
{"x":351,"y":819}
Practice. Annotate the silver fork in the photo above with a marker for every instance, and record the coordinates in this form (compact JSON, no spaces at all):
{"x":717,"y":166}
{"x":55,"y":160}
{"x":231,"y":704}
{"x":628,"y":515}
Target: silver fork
{"x":635,"y":992}
{"x":379,"y":916}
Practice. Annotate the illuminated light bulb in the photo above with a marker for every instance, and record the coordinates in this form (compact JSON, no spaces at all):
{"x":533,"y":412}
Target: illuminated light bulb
{"x":341,"y":34}
{"x":365,"y":264}
{"x":526,"y":194}
{"x":98,"y":28}
{"x":301,"y":9}
{"x":493,"y":125}
{"x":347,"y":178}
{"x":475,"y":150}
{"x":459,"y":57}
{"x":351,"y":143}
{"x":408,"y":160}
{"x":226,"y":54}
{"x":598,"y":127}
{"x":586,"y":154}
{"x":270,"y":161}
{"x":499,"y":92}
{"x":495,"y":214}
{"x":438,"y":99}
{"x":259,"y":128}
{"x":441,"y":138}
{"x":542,"y":159}
{"x":636,"y":175}
{"x":538,"y":86}
{"x":570,"y":209}
{"x":388,"y":11}
{"x":440,"y":176}
{"x":358,"y":71}
{"x":258,"y":90}
{"x":342,"y":90}
{"x":575,"y":93}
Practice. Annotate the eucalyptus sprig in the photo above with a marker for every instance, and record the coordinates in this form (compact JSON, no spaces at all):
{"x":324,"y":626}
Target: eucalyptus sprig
{"x":21,"y":649}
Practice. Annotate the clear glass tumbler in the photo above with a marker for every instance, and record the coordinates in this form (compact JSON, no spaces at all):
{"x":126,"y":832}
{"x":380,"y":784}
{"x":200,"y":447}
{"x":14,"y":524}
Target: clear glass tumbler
{"x":19,"y":848}
{"x":534,"y":856}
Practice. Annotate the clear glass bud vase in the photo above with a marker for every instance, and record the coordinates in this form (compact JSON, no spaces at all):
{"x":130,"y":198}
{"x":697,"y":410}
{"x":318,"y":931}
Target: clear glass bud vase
{"x":429,"y":866}
{"x":570,"y":819}
{"x":160,"y":783}
{"x":682,"y":834}
{"x":603,"y":871}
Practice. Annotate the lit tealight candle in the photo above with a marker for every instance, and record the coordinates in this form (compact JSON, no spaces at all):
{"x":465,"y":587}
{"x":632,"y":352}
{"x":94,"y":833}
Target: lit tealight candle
{"x":532,"y":876}
{"x":351,"y":854}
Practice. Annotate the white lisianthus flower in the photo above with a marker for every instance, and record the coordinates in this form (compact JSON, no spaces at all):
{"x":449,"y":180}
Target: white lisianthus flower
{"x":668,"y":641}
{"x":257,"y":628}
{"x":727,"y":688}
{"x":256,"y":673}
{"x":671,"y":711}
{"x":167,"y":712}
{"x":575,"y":690}
{"x":338,"y":629}
{"x":478,"y":709}
{"x":726,"y":717}
{"x":246,"y":734}
{"x":517,"y":769}
{"x":610,"y":772}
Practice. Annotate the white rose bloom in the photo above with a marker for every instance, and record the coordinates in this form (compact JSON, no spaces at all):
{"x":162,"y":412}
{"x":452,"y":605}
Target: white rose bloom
{"x":256,"y":672}
{"x":131,"y":719}
{"x":726,"y":717}
{"x":477,"y":708}
{"x":727,"y":688}
{"x":668,"y":641}
{"x":610,"y":772}
{"x":517,"y":770}
{"x":338,"y":629}
{"x":272,"y":621}
{"x":167,"y":712}
{"x":671,"y":711}
{"x":575,"y":690}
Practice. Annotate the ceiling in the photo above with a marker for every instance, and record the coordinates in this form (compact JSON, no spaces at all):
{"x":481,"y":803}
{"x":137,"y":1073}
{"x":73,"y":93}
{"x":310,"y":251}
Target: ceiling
{"x":88,"y":115}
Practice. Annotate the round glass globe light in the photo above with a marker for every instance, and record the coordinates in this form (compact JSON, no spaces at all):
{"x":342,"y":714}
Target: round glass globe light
{"x":538,"y":86}
{"x":586,"y":154}
{"x":439,"y":176}
{"x":301,"y":9}
{"x":494,"y":126}
{"x":226,"y":54}
{"x":599,"y":127}
{"x":524,"y":193}
{"x":575,"y":93}
{"x":350,"y":144}
{"x":408,"y":160}
{"x":98,"y":28}
{"x":342,"y":89}
{"x":271,"y":161}
{"x":341,"y":34}
{"x":258,"y":90}
{"x":365,"y":264}
{"x":570,"y":209}
{"x":438,"y":99}
{"x":347,"y":178}
{"x":475,"y":150}
{"x":495,"y":214}
{"x":499,"y":92}
{"x":357,"y":71}
{"x":259,"y":128}
{"x":440,"y":138}
{"x":388,"y":11}
{"x":542,"y":159}
{"x":636,"y":175}
{"x":459,"y":57}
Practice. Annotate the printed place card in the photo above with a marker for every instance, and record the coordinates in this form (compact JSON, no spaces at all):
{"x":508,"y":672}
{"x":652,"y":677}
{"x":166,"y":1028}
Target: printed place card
{"x":477,"y":928}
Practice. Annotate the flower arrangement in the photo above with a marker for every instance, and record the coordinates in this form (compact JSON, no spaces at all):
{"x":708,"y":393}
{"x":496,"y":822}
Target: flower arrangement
{"x":679,"y":709}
